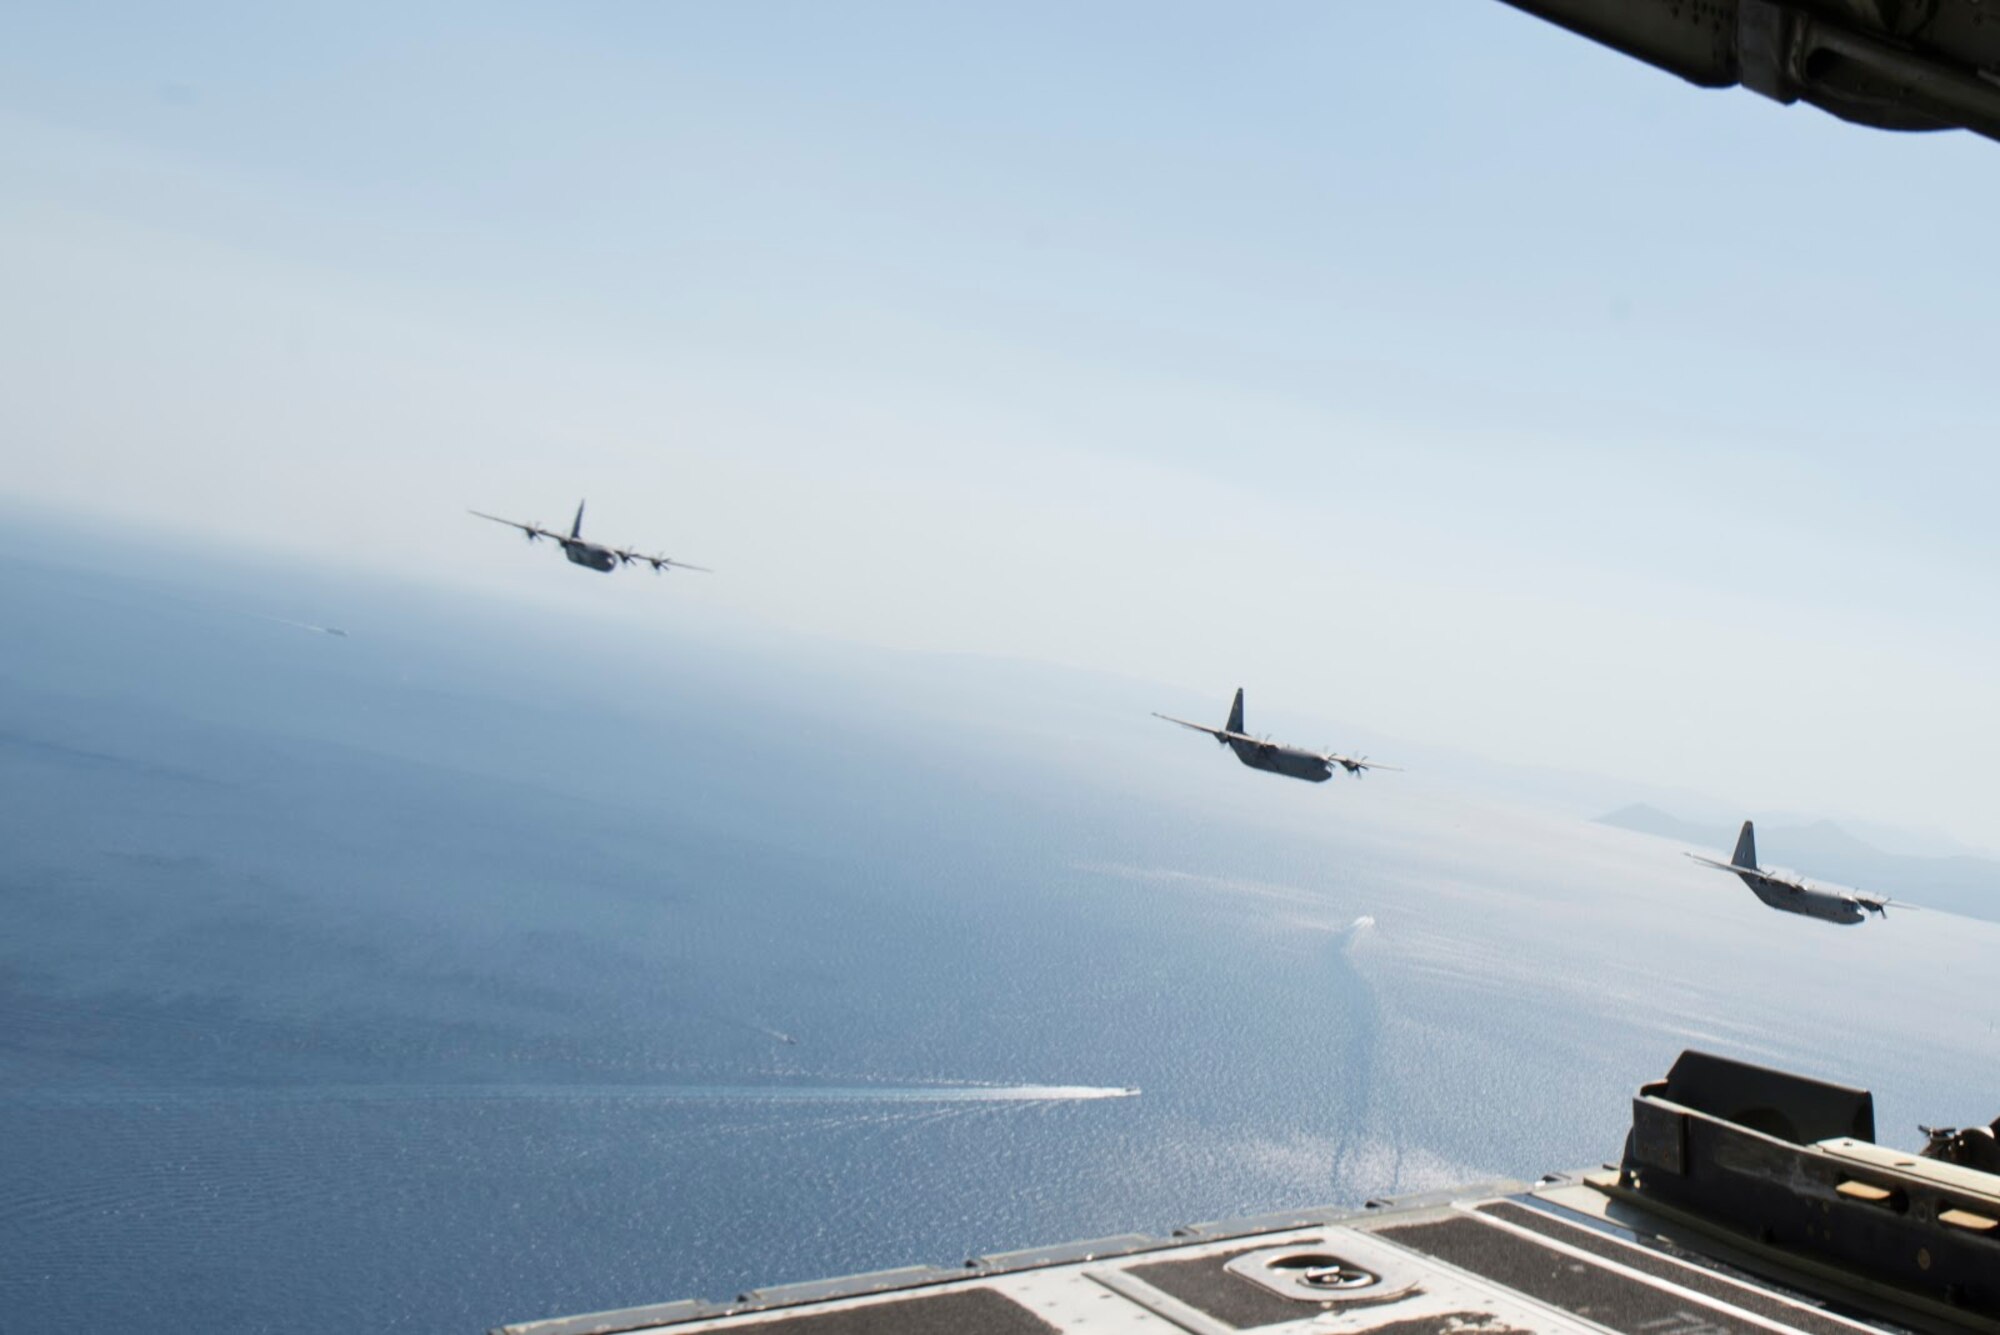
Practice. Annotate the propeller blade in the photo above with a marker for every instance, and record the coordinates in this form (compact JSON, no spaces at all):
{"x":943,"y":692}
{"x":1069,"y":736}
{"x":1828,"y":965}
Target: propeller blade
{"x":660,"y":563}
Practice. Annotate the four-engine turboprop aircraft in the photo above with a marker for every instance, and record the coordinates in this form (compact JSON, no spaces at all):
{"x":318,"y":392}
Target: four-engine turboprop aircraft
{"x":1781,"y":890}
{"x":1261,"y":753}
{"x":591,"y":554}
{"x":1792,"y":893}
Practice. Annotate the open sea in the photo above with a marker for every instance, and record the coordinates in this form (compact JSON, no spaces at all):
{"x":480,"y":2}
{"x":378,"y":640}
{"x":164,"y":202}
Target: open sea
{"x":488,"y":963}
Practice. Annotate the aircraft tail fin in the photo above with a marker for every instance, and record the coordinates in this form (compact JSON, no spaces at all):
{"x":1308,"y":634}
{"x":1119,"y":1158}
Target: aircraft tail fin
{"x":576,"y":528}
{"x":1746,"y":847}
{"x":1236,"y":712}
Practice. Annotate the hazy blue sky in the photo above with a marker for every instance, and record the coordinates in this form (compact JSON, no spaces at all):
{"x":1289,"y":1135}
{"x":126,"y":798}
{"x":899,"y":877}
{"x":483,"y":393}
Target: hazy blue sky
{"x":1414,"y":365}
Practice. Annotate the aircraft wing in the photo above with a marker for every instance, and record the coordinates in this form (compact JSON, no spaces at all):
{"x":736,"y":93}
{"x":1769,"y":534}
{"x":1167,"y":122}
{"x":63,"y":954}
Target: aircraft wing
{"x":532,"y":530}
{"x":1768,"y":875}
{"x":659,"y":563}
{"x":1355,"y":764}
{"x":1220,"y":734}
{"x":1225,"y":735}
{"x":1881,"y":903}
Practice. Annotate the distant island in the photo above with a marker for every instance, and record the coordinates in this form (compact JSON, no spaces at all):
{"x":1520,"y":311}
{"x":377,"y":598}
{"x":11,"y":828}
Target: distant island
{"x":1822,"y":850}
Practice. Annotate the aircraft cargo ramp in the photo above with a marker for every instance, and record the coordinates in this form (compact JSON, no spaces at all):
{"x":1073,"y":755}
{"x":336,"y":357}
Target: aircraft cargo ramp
{"x":1747,"y":1200}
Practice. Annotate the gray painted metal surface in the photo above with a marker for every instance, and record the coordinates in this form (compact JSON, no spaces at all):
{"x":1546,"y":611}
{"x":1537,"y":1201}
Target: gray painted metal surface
{"x":1749,"y":1201}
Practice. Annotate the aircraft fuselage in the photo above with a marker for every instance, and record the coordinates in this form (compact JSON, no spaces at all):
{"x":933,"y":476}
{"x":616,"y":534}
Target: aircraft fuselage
{"x":1289,"y":761}
{"x":1809,"y":901}
{"x":591,"y":555}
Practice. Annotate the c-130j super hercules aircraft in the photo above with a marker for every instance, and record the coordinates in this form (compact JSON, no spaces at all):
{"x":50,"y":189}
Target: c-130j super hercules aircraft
{"x":1791,"y":893}
{"x":591,"y":554}
{"x":1261,"y":753}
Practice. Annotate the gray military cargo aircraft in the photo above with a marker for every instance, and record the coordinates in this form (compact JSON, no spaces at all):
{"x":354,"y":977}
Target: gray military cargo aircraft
{"x":1262,"y":753}
{"x":1792,"y":893}
{"x":591,"y":554}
